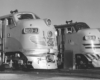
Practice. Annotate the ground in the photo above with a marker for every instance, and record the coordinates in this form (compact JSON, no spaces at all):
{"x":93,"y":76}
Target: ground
{"x":38,"y":76}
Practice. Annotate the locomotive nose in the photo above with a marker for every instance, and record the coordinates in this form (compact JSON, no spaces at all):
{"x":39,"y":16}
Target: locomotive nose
{"x":34,"y":23}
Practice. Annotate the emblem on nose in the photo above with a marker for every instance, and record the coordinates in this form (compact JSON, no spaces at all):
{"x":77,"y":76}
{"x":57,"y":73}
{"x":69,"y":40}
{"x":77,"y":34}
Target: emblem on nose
{"x":50,"y":34}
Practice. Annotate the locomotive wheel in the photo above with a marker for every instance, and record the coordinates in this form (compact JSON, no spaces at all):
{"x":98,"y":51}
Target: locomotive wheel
{"x":60,"y":64}
{"x":2,"y":67}
{"x":26,"y":68}
{"x":81,"y":61}
{"x":16,"y":66}
{"x":77,"y":66}
{"x":82,"y":65}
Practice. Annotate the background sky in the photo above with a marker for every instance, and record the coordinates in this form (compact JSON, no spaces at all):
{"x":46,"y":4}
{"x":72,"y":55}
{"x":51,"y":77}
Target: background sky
{"x":57,"y":10}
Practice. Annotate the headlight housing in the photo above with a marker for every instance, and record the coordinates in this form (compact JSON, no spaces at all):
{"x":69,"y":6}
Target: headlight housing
{"x":89,"y":37}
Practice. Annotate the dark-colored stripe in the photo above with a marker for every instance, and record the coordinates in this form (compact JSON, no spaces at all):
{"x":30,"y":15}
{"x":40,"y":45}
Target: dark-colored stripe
{"x":90,"y":44}
{"x":92,"y":47}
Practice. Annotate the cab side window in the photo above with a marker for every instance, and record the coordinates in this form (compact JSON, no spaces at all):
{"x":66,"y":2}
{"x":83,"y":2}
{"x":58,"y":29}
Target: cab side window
{"x":71,"y":30}
{"x":10,"y":21}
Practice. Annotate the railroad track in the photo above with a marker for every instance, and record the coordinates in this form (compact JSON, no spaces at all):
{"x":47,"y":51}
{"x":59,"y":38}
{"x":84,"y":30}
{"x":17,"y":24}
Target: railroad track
{"x":88,"y":73}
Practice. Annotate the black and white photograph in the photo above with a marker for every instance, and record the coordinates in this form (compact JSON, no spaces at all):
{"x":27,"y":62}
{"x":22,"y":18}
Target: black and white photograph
{"x":49,"y":39}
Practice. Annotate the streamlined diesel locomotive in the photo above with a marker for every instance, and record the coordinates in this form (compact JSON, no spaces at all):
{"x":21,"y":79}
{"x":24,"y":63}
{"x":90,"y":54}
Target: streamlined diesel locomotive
{"x":28,"y":40}
{"x":79,"y":45}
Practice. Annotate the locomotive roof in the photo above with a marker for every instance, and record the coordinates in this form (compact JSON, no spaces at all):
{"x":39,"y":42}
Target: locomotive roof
{"x":10,"y":15}
{"x":5,"y":16}
{"x":71,"y":25}
{"x":77,"y":26}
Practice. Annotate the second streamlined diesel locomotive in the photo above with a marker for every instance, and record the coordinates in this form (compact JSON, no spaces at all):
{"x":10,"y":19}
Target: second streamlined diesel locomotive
{"x":27,"y":40}
{"x":79,"y":45}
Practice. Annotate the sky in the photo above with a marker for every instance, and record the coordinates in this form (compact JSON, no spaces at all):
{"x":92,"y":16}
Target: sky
{"x":59,"y":11}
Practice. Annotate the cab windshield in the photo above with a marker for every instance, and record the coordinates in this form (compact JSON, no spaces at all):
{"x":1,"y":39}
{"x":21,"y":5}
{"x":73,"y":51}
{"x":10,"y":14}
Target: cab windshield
{"x":24,"y":16}
{"x":37,"y":17}
{"x":80,"y":26}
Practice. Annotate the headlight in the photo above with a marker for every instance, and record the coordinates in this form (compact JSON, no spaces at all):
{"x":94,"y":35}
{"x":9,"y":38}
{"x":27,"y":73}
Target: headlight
{"x":89,"y":37}
{"x":56,"y":33}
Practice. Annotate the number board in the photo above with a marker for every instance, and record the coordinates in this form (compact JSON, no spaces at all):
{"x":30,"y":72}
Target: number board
{"x":31,"y":30}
